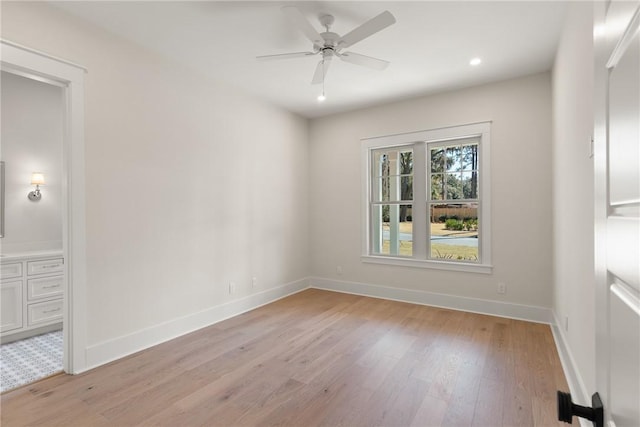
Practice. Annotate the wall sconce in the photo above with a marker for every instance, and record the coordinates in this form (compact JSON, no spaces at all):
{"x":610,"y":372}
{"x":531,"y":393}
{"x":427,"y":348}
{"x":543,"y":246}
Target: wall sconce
{"x":37,"y":179}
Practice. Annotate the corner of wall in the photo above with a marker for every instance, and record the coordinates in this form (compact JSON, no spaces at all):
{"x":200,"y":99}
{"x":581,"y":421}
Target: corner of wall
{"x":453,"y":302}
{"x":573,"y":270}
{"x":119,"y":347}
{"x":574,"y":378}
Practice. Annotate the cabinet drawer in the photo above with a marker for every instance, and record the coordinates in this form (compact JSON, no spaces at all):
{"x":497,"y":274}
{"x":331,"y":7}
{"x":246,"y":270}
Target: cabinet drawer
{"x":10,"y":270}
{"x":46,"y":287}
{"x":45,"y":266}
{"x":44,"y":312}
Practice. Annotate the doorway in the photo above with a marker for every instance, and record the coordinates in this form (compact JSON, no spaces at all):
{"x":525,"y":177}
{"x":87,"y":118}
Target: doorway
{"x":32,"y":262}
{"x":69,"y":79}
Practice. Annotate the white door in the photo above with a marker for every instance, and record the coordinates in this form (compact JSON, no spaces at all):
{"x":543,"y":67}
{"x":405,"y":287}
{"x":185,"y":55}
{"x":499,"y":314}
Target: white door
{"x":617,"y":210}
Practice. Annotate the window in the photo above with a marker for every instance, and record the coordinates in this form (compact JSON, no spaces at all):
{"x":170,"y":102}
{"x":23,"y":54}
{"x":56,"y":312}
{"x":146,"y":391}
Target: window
{"x":391,"y":204}
{"x":426,"y":199}
{"x":453,"y":200}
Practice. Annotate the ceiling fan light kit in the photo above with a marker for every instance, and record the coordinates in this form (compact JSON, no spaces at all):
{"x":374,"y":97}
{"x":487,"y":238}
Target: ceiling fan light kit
{"x":330,"y":44}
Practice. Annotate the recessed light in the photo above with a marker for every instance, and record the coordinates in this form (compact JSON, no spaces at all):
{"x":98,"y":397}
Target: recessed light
{"x":475,"y":61}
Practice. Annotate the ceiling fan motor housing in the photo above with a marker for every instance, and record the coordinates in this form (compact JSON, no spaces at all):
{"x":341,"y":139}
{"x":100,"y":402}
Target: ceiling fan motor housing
{"x":327,"y":53}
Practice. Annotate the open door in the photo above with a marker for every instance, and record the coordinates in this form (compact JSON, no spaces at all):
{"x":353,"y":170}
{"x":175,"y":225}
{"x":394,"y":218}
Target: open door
{"x":617,"y":209}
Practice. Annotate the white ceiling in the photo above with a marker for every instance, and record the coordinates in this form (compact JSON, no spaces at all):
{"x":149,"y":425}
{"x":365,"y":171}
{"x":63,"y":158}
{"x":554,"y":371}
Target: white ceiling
{"x":429,"y":46}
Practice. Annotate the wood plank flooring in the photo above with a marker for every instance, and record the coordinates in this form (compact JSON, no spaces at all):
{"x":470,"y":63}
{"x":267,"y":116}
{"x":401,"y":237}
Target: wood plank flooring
{"x":317,"y":358}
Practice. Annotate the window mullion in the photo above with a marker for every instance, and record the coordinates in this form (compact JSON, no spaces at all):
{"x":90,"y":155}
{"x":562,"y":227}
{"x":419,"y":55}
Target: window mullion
{"x":419,"y":208}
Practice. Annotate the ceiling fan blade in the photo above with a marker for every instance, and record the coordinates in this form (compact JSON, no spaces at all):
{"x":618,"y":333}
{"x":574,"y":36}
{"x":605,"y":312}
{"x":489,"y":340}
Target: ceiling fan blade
{"x":284,"y":56}
{"x":295,"y":16}
{"x":321,"y":73}
{"x":367,"y":29}
{"x":367,"y":61}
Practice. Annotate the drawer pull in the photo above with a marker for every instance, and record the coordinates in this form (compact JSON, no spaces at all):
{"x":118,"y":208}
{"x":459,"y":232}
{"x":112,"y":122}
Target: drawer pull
{"x":51,"y":266}
{"x":50,"y":286}
{"x":51,"y":311}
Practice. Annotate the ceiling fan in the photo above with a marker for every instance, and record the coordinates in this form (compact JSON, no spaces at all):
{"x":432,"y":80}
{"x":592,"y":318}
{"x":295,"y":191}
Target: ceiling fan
{"x":330,"y":44}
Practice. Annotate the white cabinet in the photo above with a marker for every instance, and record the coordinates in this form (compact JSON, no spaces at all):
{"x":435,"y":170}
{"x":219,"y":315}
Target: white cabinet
{"x":44,"y":287}
{"x":11,"y":300}
{"x":45,"y":266}
{"x":11,"y":270}
{"x":32,"y":294}
{"x":44,"y":312}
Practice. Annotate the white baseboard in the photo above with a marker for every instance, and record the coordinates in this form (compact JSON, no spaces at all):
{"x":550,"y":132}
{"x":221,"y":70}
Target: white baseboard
{"x":577,"y":388}
{"x":473,"y":305}
{"x":107,"y":351}
{"x":116,"y":348}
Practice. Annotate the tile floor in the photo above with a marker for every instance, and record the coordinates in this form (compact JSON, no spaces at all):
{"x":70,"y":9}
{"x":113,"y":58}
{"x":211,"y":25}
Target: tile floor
{"x":25,"y":361}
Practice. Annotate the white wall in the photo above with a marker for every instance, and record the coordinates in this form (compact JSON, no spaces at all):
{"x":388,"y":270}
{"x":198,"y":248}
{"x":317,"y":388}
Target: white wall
{"x":32,"y":130}
{"x":190,"y":184}
{"x":521,"y":189}
{"x":573,"y":215}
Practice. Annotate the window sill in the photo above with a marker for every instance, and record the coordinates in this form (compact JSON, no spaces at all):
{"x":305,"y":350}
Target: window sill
{"x":430,"y":264}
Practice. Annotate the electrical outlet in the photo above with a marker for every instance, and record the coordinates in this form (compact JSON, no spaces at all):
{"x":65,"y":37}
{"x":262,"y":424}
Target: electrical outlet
{"x":254,"y":282}
{"x":232,"y":288}
{"x":502,"y":288}
{"x":339,"y":269}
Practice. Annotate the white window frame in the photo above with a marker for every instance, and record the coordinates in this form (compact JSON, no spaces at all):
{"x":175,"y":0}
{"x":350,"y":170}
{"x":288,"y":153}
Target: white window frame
{"x":420,"y":142}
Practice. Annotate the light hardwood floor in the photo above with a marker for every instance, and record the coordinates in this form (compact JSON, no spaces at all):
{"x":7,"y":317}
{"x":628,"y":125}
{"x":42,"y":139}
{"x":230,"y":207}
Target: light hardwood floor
{"x":318,"y":358}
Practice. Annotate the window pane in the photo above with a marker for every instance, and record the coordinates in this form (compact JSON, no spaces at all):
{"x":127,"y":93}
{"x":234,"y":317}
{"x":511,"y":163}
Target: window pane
{"x":454,"y":186}
{"x":437,"y":160}
{"x":470,"y":157}
{"x":380,"y":164}
{"x":380,"y":190}
{"x":454,"y":232}
{"x":406,"y":162}
{"x":437,"y":187}
{"x":470,"y":185}
{"x":454,"y":159}
{"x":406,"y":188}
{"x":377,"y":216}
{"x":400,"y":188}
{"x":392,"y":175}
{"x":392,"y":232}
{"x":394,"y":188}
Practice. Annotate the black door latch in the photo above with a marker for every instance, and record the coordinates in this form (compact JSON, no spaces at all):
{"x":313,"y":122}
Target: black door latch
{"x":567,"y":409}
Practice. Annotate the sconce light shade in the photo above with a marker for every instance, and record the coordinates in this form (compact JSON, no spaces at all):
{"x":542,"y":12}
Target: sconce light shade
{"x":37,"y":179}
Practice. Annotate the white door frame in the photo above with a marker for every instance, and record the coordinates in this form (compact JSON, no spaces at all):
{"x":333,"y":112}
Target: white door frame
{"x":39,"y":66}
